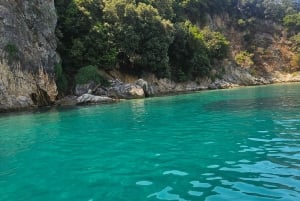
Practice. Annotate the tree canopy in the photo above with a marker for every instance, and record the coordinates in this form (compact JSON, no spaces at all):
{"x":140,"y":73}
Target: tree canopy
{"x":165,"y":37}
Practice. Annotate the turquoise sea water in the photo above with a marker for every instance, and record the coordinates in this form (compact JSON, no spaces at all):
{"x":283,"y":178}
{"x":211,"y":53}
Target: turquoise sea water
{"x":239,"y":144}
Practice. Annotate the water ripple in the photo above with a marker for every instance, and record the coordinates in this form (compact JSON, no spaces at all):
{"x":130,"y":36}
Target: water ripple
{"x":240,"y":144}
{"x":166,"y":195}
{"x":175,"y":172}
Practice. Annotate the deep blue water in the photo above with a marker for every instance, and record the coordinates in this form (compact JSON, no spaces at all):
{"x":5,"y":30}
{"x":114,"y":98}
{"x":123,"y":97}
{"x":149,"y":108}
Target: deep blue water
{"x":238,"y":144}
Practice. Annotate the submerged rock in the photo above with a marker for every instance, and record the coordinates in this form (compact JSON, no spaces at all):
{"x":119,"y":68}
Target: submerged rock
{"x":67,"y":101}
{"x":15,"y":103}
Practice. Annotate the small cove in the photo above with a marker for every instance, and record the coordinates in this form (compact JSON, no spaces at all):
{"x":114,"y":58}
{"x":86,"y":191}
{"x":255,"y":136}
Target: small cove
{"x":237,"y":144}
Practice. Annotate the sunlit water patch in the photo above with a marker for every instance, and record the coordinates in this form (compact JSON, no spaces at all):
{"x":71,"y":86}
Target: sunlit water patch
{"x":240,"y":144}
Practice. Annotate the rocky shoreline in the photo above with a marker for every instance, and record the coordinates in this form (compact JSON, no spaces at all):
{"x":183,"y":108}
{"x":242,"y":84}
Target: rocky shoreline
{"x":149,"y":86}
{"x":91,"y":93}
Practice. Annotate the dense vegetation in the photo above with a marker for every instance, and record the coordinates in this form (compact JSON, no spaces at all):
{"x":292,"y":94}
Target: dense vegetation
{"x":165,"y":37}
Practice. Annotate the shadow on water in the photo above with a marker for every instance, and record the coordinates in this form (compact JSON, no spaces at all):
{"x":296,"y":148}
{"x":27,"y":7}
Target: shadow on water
{"x":255,"y":103}
{"x":38,"y":110}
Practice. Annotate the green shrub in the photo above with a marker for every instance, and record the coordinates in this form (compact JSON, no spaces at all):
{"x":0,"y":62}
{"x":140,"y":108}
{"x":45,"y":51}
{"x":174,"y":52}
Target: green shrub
{"x":292,"y":21}
{"x":296,"y":61}
{"x":242,"y":22}
{"x":87,"y":74}
{"x":296,"y":42}
{"x":244,"y":59}
{"x":216,"y":43}
{"x":12,"y":52}
{"x":60,"y":78}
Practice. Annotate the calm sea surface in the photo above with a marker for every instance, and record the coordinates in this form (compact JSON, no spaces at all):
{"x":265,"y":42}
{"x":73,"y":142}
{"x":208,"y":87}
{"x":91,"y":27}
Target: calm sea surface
{"x":239,"y":144}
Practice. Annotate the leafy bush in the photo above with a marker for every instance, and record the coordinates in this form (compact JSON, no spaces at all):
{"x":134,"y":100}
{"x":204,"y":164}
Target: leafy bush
{"x":12,"y":52}
{"x":216,"y":43}
{"x":60,"y":78}
{"x":188,"y":54}
{"x":296,"y":61}
{"x":241,"y":22}
{"x":162,"y":36}
{"x":244,"y":59}
{"x":292,"y":21}
{"x":87,"y":74}
{"x":296,"y":42}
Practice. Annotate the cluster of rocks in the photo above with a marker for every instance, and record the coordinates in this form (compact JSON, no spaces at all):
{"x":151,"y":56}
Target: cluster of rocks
{"x":222,"y":84}
{"x":89,"y":98}
{"x":92,"y":93}
{"x":96,"y":93}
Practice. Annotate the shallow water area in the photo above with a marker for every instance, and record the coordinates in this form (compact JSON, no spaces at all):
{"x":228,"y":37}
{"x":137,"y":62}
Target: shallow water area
{"x":237,"y":144}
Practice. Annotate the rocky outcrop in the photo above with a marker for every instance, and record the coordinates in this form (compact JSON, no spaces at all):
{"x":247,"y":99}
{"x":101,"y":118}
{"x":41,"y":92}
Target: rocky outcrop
{"x":160,"y":86}
{"x":81,"y":89}
{"x":116,"y":89}
{"x":27,"y":53}
{"x":148,"y":89}
{"x":234,"y":75}
{"x":266,"y":40}
{"x":279,"y":77}
{"x":122,"y":90}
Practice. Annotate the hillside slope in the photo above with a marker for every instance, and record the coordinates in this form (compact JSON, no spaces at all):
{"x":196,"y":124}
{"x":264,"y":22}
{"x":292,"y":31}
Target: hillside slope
{"x":241,"y":42}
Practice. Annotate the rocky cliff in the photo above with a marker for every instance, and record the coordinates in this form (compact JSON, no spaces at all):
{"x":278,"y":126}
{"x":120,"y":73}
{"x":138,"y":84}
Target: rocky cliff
{"x":27,"y":53}
{"x":270,"y":52}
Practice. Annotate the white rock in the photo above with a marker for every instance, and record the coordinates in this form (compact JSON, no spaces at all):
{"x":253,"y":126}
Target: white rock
{"x":88,"y":98}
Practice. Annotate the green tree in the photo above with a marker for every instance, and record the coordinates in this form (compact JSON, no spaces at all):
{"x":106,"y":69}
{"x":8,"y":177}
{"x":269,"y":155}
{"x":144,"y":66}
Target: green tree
{"x":141,"y":34}
{"x":244,"y":59}
{"x":85,"y":40}
{"x":156,"y":36}
{"x":88,"y":74}
{"x":60,"y":78}
{"x":215,"y":42}
{"x":292,"y":21}
{"x":188,"y":53}
{"x":296,"y":42}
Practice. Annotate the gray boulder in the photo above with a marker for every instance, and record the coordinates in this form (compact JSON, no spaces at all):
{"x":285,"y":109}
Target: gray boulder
{"x":15,"y":103}
{"x":125,"y":91}
{"x":81,"y":89}
{"x":148,"y":89}
{"x":88,"y":98}
{"x":100,"y":91}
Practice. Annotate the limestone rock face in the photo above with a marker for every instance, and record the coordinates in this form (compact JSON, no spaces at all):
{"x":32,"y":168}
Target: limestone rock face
{"x":27,"y":53}
{"x":125,"y":90}
{"x":148,"y":89}
{"x":154,"y":86}
{"x":81,"y":89}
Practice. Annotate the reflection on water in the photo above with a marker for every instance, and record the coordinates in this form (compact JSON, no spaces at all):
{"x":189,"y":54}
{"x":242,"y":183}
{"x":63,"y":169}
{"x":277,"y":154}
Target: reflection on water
{"x":255,"y":103}
{"x":138,"y":106}
{"x":25,"y":132}
{"x":166,"y":195}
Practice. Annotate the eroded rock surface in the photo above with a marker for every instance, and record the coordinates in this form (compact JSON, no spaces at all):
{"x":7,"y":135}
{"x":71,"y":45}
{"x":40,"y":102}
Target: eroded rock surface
{"x":122,"y":90}
{"x":27,"y":53}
